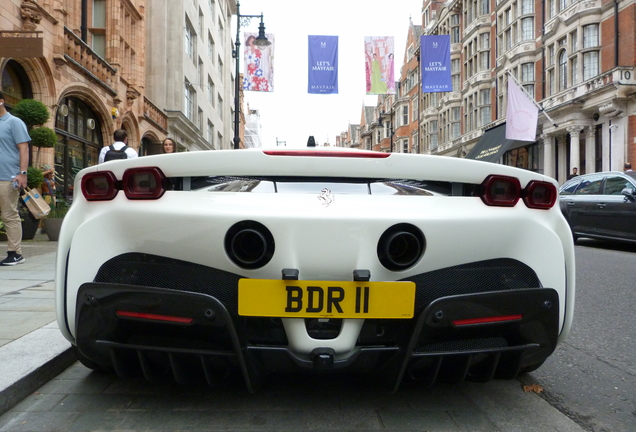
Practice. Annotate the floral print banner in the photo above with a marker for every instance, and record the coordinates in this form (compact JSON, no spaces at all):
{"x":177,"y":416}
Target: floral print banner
{"x":258,"y":74}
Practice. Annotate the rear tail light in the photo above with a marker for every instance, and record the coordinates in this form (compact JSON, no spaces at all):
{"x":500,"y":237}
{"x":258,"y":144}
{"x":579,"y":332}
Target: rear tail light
{"x":99,"y":186}
{"x":340,"y":154}
{"x":488,"y":320}
{"x":138,"y":184}
{"x":540,"y":195}
{"x":143,"y":183}
{"x":501,"y":191}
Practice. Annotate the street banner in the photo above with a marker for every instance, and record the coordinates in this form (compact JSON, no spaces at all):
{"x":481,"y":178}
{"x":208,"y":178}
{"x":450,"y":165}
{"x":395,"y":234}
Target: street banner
{"x":258,"y":73}
{"x":521,"y":115}
{"x":435,"y":63}
{"x":323,"y":65}
{"x":379,"y":65}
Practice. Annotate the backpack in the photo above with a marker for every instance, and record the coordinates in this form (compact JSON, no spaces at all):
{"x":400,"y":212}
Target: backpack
{"x":113,"y":154}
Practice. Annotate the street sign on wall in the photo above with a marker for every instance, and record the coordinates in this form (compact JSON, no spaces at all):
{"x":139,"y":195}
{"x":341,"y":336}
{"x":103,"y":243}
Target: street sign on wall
{"x":21,"y":44}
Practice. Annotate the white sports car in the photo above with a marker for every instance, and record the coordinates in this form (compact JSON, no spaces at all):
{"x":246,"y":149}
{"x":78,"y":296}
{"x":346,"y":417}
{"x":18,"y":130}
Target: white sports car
{"x":426,"y":268}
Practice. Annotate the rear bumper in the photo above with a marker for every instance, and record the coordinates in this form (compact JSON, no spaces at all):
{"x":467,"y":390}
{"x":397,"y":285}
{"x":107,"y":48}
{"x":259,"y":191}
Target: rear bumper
{"x":428,"y":348}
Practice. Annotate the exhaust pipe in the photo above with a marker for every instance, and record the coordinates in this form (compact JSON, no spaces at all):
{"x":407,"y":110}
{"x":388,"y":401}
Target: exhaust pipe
{"x":249,"y":244}
{"x":401,"y":246}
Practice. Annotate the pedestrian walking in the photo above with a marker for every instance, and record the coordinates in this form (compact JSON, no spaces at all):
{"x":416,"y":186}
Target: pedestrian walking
{"x":119,"y":149}
{"x":14,"y":160}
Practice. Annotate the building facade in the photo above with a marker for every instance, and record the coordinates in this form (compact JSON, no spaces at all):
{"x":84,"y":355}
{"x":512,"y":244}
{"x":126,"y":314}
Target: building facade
{"x":87,"y":67}
{"x":189,"y":70}
{"x":576,"y":59}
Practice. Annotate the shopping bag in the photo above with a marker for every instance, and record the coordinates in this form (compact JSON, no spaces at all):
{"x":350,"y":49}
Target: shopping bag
{"x":35,"y":203}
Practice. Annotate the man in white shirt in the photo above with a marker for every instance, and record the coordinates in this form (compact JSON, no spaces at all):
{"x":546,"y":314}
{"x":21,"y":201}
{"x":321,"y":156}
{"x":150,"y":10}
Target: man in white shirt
{"x":121,"y":141}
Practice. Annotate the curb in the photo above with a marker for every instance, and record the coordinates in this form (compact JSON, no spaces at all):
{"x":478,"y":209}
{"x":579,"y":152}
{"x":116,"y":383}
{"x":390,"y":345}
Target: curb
{"x":30,"y":362}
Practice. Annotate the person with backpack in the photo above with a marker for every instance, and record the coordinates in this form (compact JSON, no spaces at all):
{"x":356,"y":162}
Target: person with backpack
{"x":117,"y":150}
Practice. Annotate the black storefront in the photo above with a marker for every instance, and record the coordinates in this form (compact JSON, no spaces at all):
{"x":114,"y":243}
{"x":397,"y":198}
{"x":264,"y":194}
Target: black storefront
{"x":493,"y":146}
{"x":79,"y":141}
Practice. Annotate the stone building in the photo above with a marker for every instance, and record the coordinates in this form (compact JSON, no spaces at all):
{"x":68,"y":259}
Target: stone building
{"x":190,"y":70}
{"x":86,"y":63}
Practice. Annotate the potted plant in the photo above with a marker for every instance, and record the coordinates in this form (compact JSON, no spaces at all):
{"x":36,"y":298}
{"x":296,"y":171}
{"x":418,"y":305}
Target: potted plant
{"x":33,"y":113}
{"x":53,"y":222}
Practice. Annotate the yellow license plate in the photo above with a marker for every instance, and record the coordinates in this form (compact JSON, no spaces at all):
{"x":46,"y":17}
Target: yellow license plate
{"x":325,"y":299}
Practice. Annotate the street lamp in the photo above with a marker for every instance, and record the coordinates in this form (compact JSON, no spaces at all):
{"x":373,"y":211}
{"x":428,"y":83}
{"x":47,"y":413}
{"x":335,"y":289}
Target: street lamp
{"x":260,"y":41}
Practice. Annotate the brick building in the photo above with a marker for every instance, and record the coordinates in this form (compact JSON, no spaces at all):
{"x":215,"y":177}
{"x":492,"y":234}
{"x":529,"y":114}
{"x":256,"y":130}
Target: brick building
{"x":88,"y":68}
{"x":577,"y":58}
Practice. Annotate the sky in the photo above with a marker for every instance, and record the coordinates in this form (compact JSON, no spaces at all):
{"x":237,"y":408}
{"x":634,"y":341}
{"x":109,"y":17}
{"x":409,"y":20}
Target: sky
{"x":289,"y":113}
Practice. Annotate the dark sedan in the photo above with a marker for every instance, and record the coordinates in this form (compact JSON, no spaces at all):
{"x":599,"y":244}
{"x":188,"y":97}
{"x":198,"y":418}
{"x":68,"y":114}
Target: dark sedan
{"x":601,"y":205}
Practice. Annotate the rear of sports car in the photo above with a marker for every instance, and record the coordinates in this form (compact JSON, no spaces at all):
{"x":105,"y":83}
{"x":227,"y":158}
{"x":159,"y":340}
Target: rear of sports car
{"x":195,"y":266}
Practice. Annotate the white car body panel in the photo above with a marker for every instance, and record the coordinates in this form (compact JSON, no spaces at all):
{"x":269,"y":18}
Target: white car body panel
{"x":326,"y":242}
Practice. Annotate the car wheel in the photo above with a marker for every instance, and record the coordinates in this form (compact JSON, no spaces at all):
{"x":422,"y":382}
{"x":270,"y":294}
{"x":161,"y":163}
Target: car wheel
{"x":90,"y":363}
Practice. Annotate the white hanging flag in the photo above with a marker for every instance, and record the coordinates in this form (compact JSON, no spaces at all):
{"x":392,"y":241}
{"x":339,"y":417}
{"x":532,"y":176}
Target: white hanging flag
{"x":521,"y":116}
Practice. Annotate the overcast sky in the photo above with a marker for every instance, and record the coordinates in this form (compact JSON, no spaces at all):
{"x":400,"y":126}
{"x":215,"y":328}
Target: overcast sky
{"x":289,"y":113}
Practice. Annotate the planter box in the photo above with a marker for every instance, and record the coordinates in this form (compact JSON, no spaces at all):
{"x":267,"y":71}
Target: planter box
{"x":30,"y":226}
{"x":52,"y":228}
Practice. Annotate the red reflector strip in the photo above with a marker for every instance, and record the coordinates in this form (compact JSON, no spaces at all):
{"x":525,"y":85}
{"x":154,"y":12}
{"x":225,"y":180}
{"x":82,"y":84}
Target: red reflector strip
{"x":486,"y":320}
{"x":341,"y":154}
{"x":154,"y":317}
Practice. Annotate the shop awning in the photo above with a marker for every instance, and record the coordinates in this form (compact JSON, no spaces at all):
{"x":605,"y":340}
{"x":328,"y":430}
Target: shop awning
{"x":493,"y":144}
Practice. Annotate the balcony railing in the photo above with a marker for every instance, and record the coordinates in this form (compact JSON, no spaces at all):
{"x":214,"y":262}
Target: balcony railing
{"x":153,"y":113}
{"x":77,"y":50}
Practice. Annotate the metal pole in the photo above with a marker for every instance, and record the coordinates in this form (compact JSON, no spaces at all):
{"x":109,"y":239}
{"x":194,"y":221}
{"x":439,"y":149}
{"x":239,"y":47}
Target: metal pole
{"x":237,"y":108}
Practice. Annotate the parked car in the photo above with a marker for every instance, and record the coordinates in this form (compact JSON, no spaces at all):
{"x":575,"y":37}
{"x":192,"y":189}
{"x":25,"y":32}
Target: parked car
{"x":601,"y":205}
{"x":197,"y":265}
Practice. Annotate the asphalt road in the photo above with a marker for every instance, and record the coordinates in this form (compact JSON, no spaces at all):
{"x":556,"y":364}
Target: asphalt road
{"x":592,"y":376}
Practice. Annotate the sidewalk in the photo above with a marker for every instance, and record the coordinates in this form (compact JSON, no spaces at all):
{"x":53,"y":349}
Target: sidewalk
{"x":32,"y":349}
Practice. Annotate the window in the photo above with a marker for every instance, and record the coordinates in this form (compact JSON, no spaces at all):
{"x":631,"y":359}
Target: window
{"x":190,"y":40}
{"x":200,"y":119}
{"x":98,"y":30}
{"x":405,"y":146}
{"x":484,"y":6}
{"x":189,"y":101}
{"x":573,"y":41}
{"x":551,"y":82}
{"x":590,"y":65}
{"x":484,"y":115}
{"x":527,"y":7}
{"x":527,"y":72}
{"x":200,"y":72}
{"x":210,"y":133}
{"x":574,"y":66}
{"x":201,"y":23}
{"x":456,"y":126}
{"x":455,"y":70}
{"x":615,"y":185}
{"x":563,"y":5}
{"x":210,"y":47}
{"x":563,"y":70}
{"x":211,"y":7}
{"x":590,"y":36}
{"x":588,"y":187}
{"x":455,"y":29}
{"x":210,"y":91}
{"x":405,"y":115}
{"x":553,"y":4}
{"x":433,"y":135}
{"x":551,"y":55}
{"x":527,"y":29}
